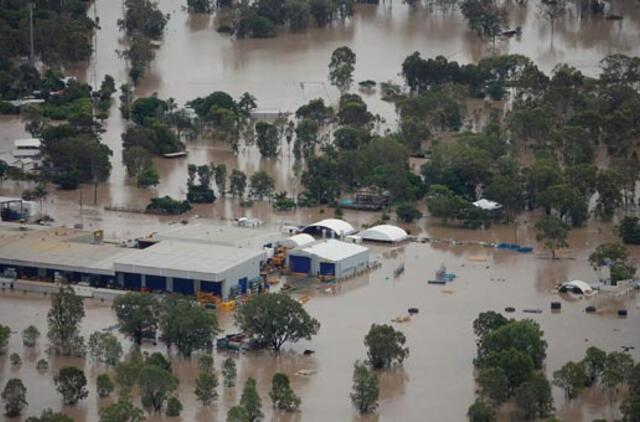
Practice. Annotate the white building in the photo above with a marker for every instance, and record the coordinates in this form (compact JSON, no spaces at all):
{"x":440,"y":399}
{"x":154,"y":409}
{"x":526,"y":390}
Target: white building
{"x":329,"y":258}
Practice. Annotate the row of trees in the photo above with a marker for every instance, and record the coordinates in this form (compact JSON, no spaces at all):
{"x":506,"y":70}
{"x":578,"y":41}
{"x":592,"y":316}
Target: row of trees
{"x":70,"y":132}
{"x":562,"y":120}
{"x":262,"y":18}
{"x":61,"y":35}
{"x":143,"y":24}
{"x":611,"y":371}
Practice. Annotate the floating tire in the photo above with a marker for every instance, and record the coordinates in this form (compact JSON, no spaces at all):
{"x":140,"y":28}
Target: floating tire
{"x":556,"y":306}
{"x":622,"y":313}
{"x":413,"y":310}
{"x":510,"y":309}
{"x":590,"y":309}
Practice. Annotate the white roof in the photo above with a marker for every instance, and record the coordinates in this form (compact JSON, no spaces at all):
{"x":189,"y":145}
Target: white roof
{"x":340,"y":227}
{"x":334,"y":250}
{"x":298,"y":240}
{"x":577,"y":284}
{"x":384,"y":233}
{"x":27,"y":143}
{"x":26,"y":153}
{"x":485,"y":204}
{"x":205,"y":232}
{"x":200,"y":261}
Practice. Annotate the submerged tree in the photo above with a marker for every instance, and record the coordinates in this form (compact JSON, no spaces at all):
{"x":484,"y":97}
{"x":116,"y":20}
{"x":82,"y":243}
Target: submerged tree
{"x":187,"y":326}
{"x":206,"y":385}
{"x":251,"y":401}
{"x":121,"y":411}
{"x":156,"y":386}
{"x":553,"y":232}
{"x":385,"y":346}
{"x":5,"y":333}
{"x":65,"y":314}
{"x":71,"y":383}
{"x":275,"y":319}
{"x":480,"y":411}
{"x":138,"y":315}
{"x":30,"y":336}
{"x":486,"y":17}
{"x":105,"y":348}
{"x":341,"y":67}
{"x":104,"y":385}
{"x":229,"y":372}
{"x":365,"y":391}
{"x":282,"y":395}
{"x":572,"y":378}
{"x":616,"y":257}
{"x":551,"y":10}
{"x":15,"y":397}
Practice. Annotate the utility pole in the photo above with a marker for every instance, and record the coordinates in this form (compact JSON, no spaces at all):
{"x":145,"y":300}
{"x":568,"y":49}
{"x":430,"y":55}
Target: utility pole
{"x":31,"y":52}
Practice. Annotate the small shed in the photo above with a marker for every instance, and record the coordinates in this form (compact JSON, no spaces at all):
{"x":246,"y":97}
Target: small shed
{"x":384,"y":233}
{"x":330,"y":257}
{"x":330,"y":227}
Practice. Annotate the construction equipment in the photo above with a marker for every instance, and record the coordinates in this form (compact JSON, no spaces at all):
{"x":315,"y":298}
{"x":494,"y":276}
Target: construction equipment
{"x":207,"y":298}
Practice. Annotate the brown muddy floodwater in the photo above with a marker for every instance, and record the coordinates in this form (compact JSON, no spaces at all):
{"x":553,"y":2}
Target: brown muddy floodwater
{"x":291,"y":69}
{"x":437,"y":378}
{"x":436,"y":382}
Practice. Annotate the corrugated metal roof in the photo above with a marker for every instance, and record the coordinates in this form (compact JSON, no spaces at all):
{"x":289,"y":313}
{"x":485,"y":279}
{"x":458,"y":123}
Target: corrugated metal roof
{"x":334,"y":250}
{"x":195,"y":260}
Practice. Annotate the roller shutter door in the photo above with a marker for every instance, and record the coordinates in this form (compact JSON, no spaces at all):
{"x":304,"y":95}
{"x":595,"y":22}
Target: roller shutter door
{"x":300,"y":264}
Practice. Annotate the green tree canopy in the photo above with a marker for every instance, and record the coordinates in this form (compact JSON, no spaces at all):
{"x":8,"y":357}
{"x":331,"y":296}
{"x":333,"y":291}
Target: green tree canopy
{"x":63,"y":318}
{"x":15,"y":397}
{"x":138,"y":315}
{"x":187,"y":326}
{"x":71,"y":383}
{"x":275,"y":319}
{"x":365,"y":391}
{"x":385,"y":346}
{"x":121,"y":411}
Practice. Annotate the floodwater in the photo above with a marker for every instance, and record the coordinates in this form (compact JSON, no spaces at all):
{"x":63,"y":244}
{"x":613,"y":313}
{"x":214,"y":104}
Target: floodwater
{"x":437,"y":377}
{"x":283,"y":73}
{"x":291,"y":69}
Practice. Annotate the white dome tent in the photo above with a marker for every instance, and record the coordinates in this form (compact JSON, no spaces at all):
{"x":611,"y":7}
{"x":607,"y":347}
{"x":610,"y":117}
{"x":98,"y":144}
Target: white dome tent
{"x":330,"y":227}
{"x":384,"y":233}
{"x":298,"y":241}
{"x":577,"y":287}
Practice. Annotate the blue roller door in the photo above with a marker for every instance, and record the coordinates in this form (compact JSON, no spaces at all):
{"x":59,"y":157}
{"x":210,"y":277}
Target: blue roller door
{"x":300,"y":264}
{"x":183,"y":285}
{"x":132,"y":281}
{"x":211,"y":287}
{"x":243,"y":282}
{"x":327,"y":268}
{"x":155,"y":282}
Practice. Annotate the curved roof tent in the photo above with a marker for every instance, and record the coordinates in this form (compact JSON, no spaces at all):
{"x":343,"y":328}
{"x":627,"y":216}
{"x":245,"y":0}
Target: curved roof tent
{"x":298,"y":241}
{"x":384,"y":233}
{"x":576,"y":286}
{"x":339,"y":227}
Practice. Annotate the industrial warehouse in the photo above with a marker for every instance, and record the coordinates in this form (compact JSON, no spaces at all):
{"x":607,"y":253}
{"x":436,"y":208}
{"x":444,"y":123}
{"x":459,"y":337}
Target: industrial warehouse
{"x":224,"y":260}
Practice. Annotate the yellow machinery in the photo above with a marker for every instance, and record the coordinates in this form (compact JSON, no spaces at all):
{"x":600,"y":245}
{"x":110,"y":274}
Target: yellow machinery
{"x":205,"y":297}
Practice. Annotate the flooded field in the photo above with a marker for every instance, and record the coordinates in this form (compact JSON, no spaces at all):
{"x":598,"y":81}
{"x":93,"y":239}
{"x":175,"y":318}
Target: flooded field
{"x":283,"y":73}
{"x":437,"y":378}
{"x":291,"y":69}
